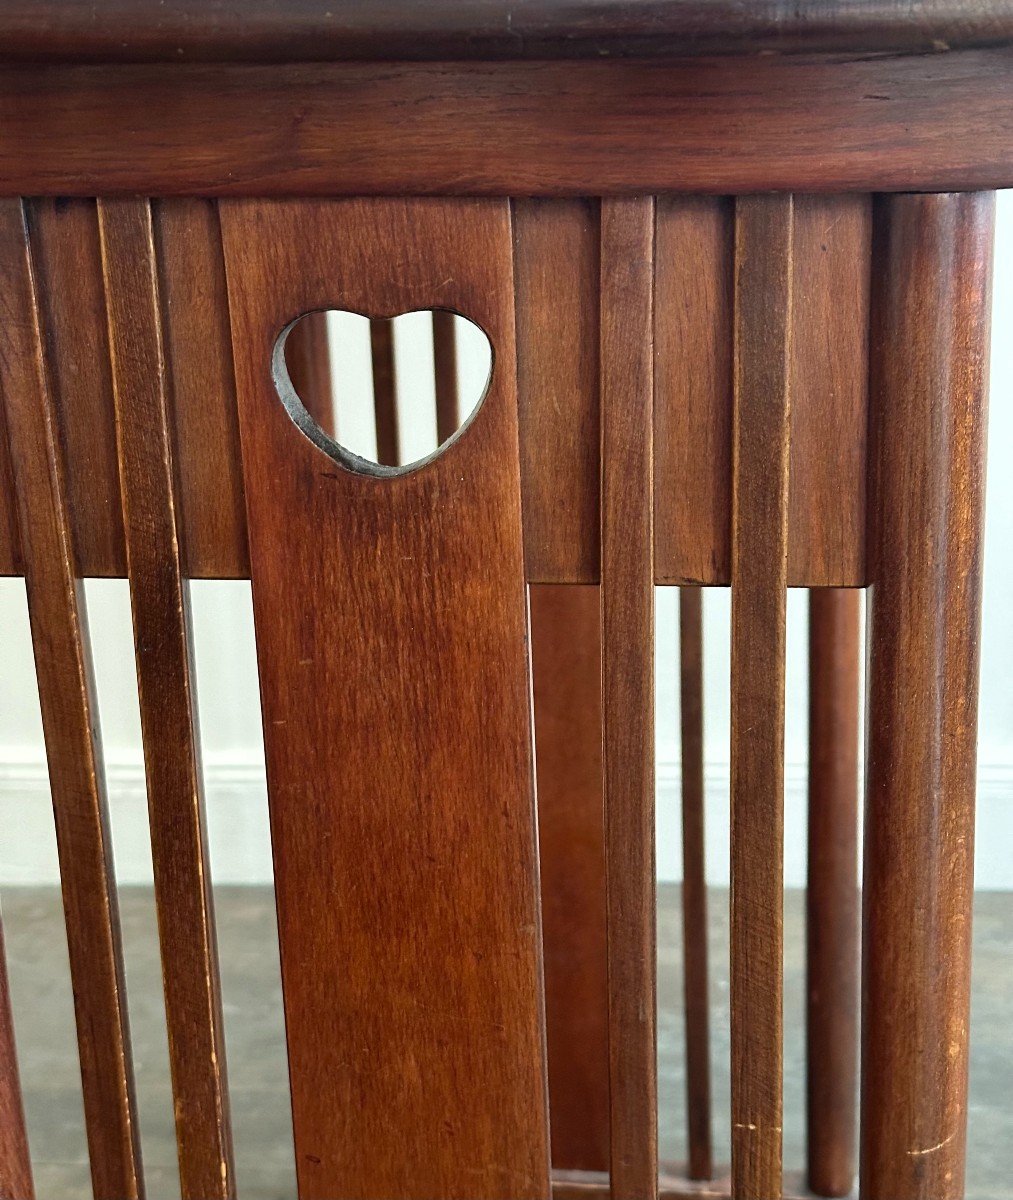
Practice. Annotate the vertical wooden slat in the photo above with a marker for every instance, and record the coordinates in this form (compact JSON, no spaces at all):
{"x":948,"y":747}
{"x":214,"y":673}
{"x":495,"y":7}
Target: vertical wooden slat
{"x":70,"y":724}
{"x":381,"y":344}
{"x":448,"y":416}
{"x":929,"y":381}
{"x":693,"y":414}
{"x":16,"y":1182}
{"x":68,"y":262}
{"x":832,"y":907}
{"x":308,"y":357}
{"x":763,"y":249}
{"x":566,"y":675}
{"x":556,"y":250}
{"x":198,"y":358}
{"x":396,"y":724}
{"x":162,"y":637}
{"x":694,"y":886}
{"x":627,"y":608}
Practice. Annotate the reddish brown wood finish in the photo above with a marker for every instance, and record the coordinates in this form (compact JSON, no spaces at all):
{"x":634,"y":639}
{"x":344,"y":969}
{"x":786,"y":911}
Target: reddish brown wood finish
{"x":763,"y":277}
{"x":505,"y":129}
{"x":693,"y":410}
{"x":832,"y":902}
{"x":694,"y":886}
{"x":70,"y":724}
{"x":627,"y":630}
{"x":198,"y":355}
{"x":930,"y":378}
{"x":164,"y":654}
{"x":566,"y":670}
{"x":16,"y":1181}
{"x":396,"y":726}
{"x":556,"y":250}
{"x":314,"y":30}
{"x":381,"y":345}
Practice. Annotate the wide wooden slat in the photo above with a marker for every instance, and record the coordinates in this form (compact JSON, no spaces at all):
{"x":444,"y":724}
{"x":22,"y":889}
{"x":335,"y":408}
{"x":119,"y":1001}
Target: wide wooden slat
{"x":627,"y":630}
{"x":70,"y":723}
{"x":16,"y":1182}
{"x":832,"y":904}
{"x":448,"y":416}
{"x":693,"y":410}
{"x":566,"y":672}
{"x":631,"y":127}
{"x":556,"y":248}
{"x":164,"y":652}
{"x":198,"y":356}
{"x":829,"y":386}
{"x":694,"y":886}
{"x":930,"y":383}
{"x":763,"y":299}
{"x":396,"y":723}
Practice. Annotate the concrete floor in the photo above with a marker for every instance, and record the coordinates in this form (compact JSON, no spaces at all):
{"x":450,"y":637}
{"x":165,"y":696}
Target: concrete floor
{"x":263,"y":1138}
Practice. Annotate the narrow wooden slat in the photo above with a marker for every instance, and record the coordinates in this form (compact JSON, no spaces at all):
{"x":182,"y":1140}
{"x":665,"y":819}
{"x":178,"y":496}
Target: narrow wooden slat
{"x":162,"y":638}
{"x":65,"y":244}
{"x":70,"y":724}
{"x":566,"y":674}
{"x":832,"y":916}
{"x":10,"y":546}
{"x":694,"y":886}
{"x":930,"y":383}
{"x":381,"y":345}
{"x":16,"y":1182}
{"x":829,"y":386}
{"x":627,"y":608}
{"x":556,"y":248}
{"x":397,"y":724}
{"x":693,"y":413}
{"x":198,"y":356}
{"x":763,"y":275}
{"x":448,"y":416}
{"x":308,"y":358}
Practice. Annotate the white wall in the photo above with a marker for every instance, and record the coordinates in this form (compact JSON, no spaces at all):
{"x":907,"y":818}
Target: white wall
{"x":229,"y":705}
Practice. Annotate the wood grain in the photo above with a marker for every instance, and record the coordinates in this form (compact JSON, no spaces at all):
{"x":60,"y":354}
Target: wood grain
{"x":397,"y":725}
{"x":10,"y":546}
{"x":693,"y":411}
{"x":627,"y":631}
{"x":531,"y":128}
{"x":763,"y":303}
{"x":930,"y":382}
{"x":198,"y":357}
{"x":314,"y":30}
{"x":694,"y":886}
{"x":448,"y":416}
{"x":556,"y":250}
{"x":65,"y":246}
{"x":829,"y":384}
{"x":832,"y":901}
{"x":70,"y":724}
{"x":566,"y":676}
{"x":160,"y":602}
{"x":16,"y":1181}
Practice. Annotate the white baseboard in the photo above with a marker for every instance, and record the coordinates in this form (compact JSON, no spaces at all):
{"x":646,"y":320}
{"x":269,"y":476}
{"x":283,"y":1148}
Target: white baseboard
{"x":240,"y":842}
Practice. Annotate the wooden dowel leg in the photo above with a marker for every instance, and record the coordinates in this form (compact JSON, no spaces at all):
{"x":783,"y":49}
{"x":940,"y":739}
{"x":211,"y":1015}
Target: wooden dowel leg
{"x":929,"y":380}
{"x":694,"y":886}
{"x":832,"y":916}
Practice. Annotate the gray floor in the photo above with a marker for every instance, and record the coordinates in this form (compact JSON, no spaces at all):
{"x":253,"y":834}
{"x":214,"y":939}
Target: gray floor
{"x":43,"y":1013}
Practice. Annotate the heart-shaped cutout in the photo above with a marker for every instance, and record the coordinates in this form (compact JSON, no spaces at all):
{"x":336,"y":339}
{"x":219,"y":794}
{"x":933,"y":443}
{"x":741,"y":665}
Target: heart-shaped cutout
{"x":382,"y":396}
